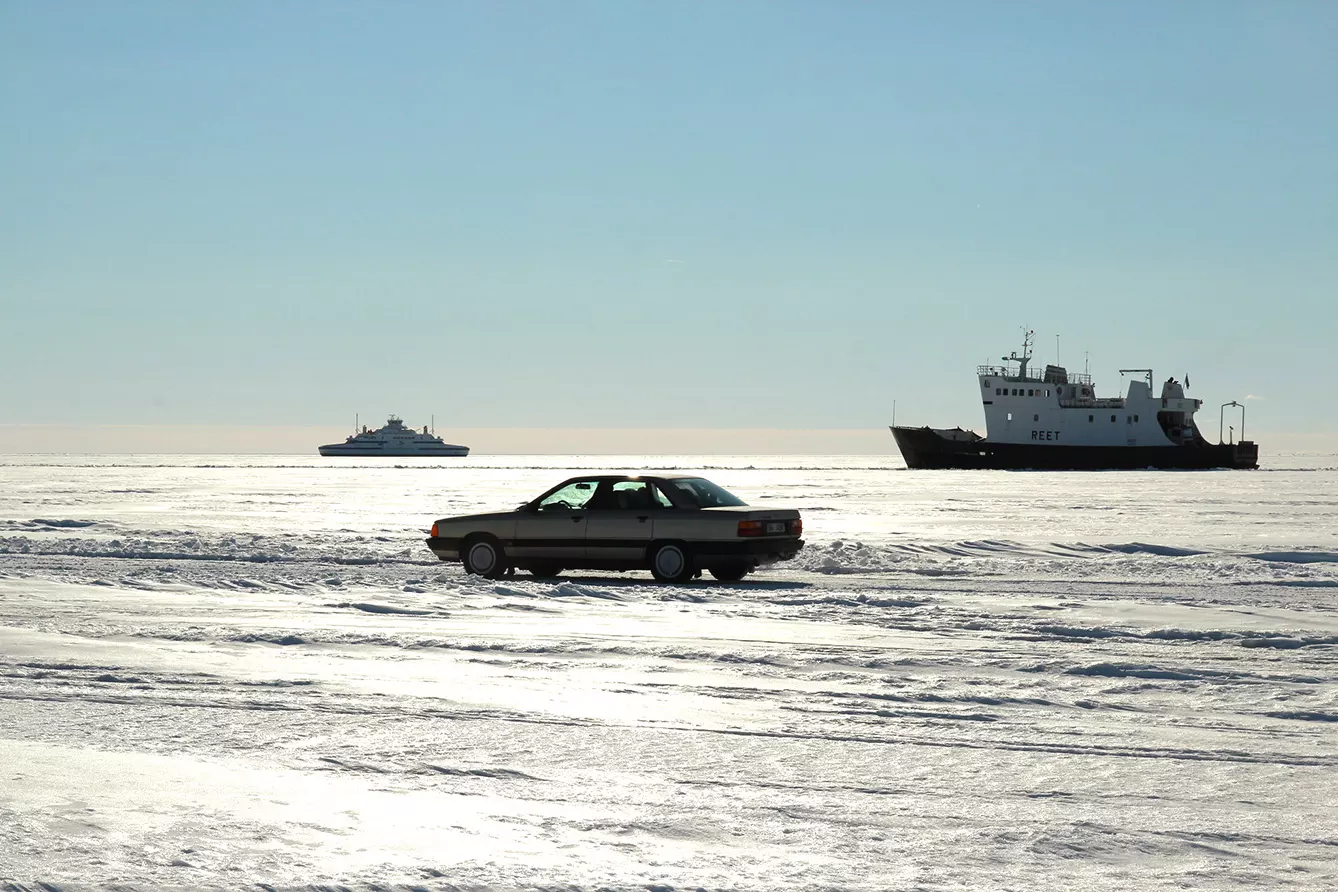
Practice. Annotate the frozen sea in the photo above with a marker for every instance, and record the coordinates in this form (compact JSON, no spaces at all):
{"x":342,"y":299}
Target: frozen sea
{"x":220,"y":672}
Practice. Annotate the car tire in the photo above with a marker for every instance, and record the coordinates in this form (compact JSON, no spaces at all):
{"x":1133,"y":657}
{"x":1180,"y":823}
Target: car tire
{"x":730,"y":572}
{"x":672,"y":562}
{"x":484,"y":556}
{"x":544,"y":571}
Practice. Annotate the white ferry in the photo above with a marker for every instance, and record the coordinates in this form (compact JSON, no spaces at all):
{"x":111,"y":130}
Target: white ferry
{"x":394,"y":439}
{"x":1056,"y":420}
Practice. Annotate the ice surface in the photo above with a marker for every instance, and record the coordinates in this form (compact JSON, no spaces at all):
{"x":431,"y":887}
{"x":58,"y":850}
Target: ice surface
{"x":221,"y":672}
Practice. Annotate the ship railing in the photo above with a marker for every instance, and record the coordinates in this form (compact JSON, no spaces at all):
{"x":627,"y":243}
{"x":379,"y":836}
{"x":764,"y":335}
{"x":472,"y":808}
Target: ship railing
{"x":999,"y":371}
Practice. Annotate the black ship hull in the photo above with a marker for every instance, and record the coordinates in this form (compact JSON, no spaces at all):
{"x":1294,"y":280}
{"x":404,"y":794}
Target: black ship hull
{"x":377,"y":452}
{"x":924,"y":447}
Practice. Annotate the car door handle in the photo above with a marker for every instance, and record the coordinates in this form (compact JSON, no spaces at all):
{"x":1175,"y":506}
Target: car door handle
{"x":643,"y":517}
{"x":578,"y":518}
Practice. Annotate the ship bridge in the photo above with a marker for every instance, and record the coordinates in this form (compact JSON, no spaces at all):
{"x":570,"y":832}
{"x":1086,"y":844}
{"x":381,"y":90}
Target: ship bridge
{"x":1054,"y":375}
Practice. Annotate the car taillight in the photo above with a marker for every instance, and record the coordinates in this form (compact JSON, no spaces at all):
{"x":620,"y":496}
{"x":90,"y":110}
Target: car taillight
{"x":434,"y":531}
{"x":797,"y":526}
{"x":750,"y":528}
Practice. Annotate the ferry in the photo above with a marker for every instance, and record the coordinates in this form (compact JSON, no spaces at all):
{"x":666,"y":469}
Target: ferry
{"x":393,"y":440}
{"x":1055,"y":420}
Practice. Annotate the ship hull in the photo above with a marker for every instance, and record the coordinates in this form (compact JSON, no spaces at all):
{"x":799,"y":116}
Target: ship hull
{"x":376,"y":452}
{"x":924,"y":447}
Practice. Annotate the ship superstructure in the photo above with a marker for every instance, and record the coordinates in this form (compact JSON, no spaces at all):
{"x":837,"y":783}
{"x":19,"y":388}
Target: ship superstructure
{"x":394,"y":439}
{"x":1055,"y":420}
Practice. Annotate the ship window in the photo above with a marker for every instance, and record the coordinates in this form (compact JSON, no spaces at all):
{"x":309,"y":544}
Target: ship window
{"x":1135,"y":419}
{"x":1035,"y":418}
{"x":1112,"y":419}
{"x":987,"y":385}
{"x":1031,"y":392}
{"x":1091,"y":418}
{"x":1014,"y":391}
{"x":1128,"y":419}
{"x":1010,"y":416}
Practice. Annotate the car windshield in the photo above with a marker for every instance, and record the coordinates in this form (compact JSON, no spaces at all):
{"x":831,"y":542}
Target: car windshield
{"x":703,"y":493}
{"x":571,"y":497}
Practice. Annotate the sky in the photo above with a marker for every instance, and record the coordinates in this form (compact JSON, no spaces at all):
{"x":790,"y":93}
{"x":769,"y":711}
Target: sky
{"x":619,"y":215}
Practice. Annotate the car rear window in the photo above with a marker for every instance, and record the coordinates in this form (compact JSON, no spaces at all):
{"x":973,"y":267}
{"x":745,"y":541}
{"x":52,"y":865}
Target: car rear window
{"x":703,"y":493}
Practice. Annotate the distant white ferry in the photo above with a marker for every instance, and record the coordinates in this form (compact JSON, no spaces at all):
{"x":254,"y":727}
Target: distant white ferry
{"x":1056,"y":420}
{"x":393,"y":439}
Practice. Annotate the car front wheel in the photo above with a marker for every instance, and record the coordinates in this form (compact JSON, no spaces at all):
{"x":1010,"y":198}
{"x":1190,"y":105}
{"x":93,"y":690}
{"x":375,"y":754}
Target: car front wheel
{"x":485,"y":557}
{"x":671,"y":563}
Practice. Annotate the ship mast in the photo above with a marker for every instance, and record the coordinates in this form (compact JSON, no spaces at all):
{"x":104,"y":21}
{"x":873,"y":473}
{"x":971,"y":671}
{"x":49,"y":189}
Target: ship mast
{"x":1028,"y":336}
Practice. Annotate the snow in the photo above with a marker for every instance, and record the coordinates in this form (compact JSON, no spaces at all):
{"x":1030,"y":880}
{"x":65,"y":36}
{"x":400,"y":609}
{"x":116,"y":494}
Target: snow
{"x":219,"y":672}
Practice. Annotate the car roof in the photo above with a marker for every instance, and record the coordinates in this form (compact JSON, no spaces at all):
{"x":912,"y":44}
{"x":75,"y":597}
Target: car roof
{"x":638,"y":475}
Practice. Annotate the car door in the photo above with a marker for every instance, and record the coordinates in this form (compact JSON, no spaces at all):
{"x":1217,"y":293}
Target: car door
{"x":619,"y":522}
{"x":554,"y":529}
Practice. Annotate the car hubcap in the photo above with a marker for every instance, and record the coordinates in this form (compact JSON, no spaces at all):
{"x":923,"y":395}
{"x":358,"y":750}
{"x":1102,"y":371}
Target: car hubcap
{"x":482,"y":558}
{"x":670,"y":561}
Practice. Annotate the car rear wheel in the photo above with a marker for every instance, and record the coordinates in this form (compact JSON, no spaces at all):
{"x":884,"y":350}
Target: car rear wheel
{"x":730,"y":572}
{"x":671,"y":563}
{"x":485,"y":557}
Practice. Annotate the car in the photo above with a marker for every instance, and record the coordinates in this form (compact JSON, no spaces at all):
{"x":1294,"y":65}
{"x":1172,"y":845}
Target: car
{"x":675,"y":525}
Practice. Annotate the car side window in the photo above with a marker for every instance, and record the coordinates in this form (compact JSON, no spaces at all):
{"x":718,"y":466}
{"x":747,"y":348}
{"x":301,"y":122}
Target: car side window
{"x":571,"y":497}
{"x":621,"y":495}
{"x":660,"y":498}
{"x":632,"y":495}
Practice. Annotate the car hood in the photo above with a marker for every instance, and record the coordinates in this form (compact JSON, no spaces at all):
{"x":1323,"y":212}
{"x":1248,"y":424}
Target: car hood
{"x":495,"y":515}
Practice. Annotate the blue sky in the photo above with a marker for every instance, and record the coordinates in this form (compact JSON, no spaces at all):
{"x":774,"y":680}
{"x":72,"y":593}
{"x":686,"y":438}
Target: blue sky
{"x":671,"y":214}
